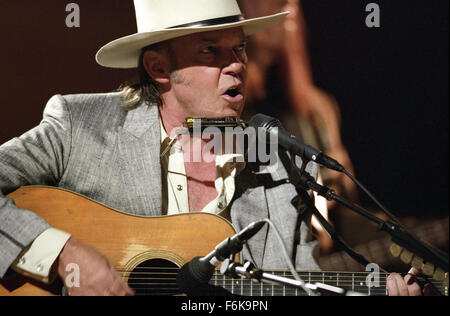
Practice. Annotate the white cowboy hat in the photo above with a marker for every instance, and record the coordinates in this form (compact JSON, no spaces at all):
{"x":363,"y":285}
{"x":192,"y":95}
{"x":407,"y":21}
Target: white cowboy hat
{"x":161,"y":20}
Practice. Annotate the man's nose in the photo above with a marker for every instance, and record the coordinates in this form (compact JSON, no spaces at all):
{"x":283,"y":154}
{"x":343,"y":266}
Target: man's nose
{"x":235,"y":65}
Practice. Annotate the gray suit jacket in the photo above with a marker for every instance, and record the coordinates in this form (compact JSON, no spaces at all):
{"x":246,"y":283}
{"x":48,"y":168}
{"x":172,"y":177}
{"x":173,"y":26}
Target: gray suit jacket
{"x":91,"y":145}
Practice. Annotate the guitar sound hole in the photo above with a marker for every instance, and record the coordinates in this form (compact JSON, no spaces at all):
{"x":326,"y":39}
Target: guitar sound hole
{"x":154,"y":277}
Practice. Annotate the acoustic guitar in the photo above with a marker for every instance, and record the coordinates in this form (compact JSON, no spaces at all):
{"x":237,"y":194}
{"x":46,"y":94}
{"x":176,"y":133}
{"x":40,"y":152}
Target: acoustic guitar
{"x":149,"y":251}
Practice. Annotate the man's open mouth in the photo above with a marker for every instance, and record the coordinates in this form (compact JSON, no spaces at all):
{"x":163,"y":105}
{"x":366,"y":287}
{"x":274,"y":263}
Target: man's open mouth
{"x":233,"y":92}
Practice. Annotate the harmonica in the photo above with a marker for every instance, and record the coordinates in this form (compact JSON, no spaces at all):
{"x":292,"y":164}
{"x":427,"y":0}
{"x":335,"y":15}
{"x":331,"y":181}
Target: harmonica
{"x":201,"y":123}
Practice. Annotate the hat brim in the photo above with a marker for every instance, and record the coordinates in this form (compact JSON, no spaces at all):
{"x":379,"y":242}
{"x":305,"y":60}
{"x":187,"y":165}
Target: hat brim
{"x":124,"y":52}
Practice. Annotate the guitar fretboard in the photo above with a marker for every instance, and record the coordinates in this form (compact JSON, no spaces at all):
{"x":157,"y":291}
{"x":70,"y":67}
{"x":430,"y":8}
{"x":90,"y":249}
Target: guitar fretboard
{"x":361,"y":282}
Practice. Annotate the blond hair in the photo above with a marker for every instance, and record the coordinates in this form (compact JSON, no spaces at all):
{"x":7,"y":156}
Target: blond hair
{"x":144,"y":88}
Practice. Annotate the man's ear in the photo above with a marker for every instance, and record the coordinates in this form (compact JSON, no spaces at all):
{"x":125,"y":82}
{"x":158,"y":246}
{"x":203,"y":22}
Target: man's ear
{"x":157,"y":66}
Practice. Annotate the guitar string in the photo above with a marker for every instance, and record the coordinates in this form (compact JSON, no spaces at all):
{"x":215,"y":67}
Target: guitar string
{"x":381,"y":286}
{"x":307,"y":275}
{"x":314,"y":278}
{"x":252,"y":291}
{"x":270,"y":271}
{"x":343,"y":278}
{"x":320,"y":274}
{"x":276,"y":272}
{"x":229,"y":285}
{"x":247,"y":282}
{"x":329,"y":276}
{"x":354,"y":279}
{"x":263,"y":287}
{"x":318,"y":277}
{"x":234,"y":282}
{"x":342,"y":274}
{"x":225,"y":280}
{"x":275,"y":289}
{"x":355,"y":284}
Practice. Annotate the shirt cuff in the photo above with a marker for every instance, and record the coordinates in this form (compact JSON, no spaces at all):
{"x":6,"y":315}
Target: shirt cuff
{"x":37,"y":260}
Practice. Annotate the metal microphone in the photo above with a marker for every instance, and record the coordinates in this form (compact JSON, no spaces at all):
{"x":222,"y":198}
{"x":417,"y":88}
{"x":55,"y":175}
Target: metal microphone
{"x":197,"y":272}
{"x":272,"y":126}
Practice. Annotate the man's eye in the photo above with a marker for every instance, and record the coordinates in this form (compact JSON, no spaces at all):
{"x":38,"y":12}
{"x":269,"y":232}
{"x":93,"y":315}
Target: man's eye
{"x":241,"y":47}
{"x":209,"y":50}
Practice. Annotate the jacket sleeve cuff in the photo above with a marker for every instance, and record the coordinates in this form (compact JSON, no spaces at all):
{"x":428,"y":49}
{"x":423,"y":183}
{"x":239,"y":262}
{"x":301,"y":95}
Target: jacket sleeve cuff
{"x":36,"y":261}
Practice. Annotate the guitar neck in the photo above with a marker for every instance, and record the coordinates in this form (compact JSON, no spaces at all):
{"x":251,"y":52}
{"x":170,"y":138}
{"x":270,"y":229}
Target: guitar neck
{"x":367,"y":283}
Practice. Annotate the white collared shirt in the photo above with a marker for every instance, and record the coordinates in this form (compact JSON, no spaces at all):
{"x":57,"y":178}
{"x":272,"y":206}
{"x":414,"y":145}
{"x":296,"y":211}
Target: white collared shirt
{"x":228,"y":166}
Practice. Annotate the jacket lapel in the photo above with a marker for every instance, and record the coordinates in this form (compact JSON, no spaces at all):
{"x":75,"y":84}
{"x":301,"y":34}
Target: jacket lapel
{"x":265,"y":194}
{"x":139,"y":147}
{"x":249,"y":205}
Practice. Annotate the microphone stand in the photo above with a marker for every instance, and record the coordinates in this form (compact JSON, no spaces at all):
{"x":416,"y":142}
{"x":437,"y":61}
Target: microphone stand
{"x":248,"y":271}
{"x":303,"y":181}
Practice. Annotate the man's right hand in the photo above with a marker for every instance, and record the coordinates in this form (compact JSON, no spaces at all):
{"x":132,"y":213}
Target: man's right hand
{"x":97,"y":275}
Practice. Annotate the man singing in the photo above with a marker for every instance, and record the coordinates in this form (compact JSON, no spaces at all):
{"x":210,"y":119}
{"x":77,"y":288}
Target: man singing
{"x":122,"y":150}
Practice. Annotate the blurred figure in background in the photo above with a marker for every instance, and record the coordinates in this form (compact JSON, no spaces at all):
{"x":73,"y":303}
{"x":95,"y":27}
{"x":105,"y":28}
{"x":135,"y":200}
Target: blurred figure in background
{"x":280,"y":84}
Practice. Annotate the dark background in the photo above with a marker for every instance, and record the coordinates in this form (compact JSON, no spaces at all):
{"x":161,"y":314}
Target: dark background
{"x":392,"y":87}
{"x":391,"y":83}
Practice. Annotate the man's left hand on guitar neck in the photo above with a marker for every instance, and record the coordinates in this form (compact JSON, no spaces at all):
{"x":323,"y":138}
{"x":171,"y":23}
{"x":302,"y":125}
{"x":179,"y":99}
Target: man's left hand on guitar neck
{"x":408,"y":285}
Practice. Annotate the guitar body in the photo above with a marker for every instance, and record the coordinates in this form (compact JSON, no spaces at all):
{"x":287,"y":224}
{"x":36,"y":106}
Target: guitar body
{"x":129,"y":242}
